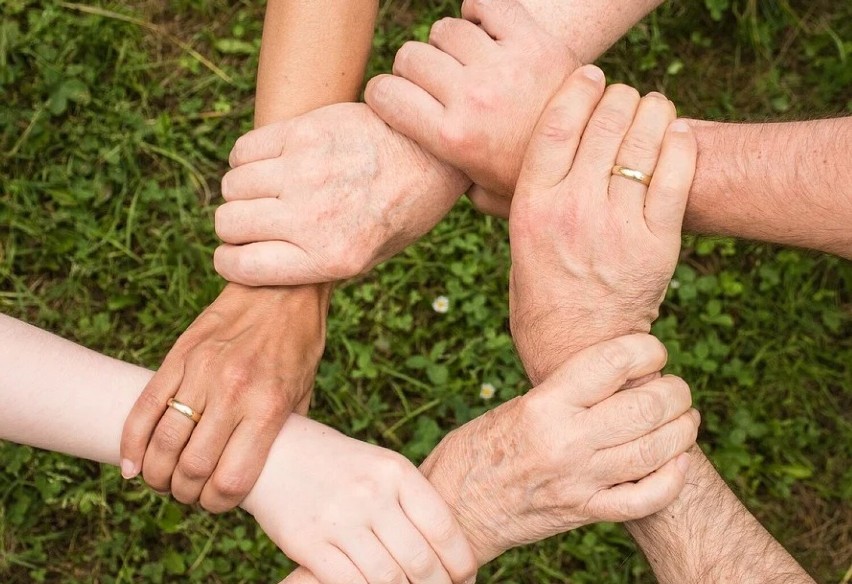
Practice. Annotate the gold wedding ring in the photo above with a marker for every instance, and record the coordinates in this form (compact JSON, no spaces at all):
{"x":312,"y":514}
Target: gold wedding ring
{"x":632,"y":174}
{"x":184,"y":409}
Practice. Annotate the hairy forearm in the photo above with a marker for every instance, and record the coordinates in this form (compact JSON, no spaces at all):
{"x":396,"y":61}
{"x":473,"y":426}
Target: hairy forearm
{"x":589,"y":28}
{"x":313,"y":53}
{"x":788,"y":183}
{"x":708,"y":536}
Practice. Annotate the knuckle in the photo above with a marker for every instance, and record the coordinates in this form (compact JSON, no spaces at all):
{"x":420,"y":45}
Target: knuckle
{"x":439,"y":29}
{"x":231,"y":485}
{"x":151,"y":403}
{"x":422,"y":564}
{"x":455,"y":136}
{"x":650,"y":409}
{"x":640,"y":142}
{"x":403,"y":56}
{"x":238,"y":152}
{"x":680,"y":389}
{"x":647,"y":456}
{"x":608,"y":121}
{"x":196,"y":466}
{"x":555,"y":125}
{"x":613,"y":357}
{"x":167,"y":437}
{"x":234,"y":377}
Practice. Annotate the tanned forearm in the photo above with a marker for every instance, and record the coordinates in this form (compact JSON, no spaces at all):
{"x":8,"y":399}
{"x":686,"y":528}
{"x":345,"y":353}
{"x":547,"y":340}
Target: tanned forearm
{"x":314,"y":53}
{"x":707,"y":537}
{"x":788,"y":183}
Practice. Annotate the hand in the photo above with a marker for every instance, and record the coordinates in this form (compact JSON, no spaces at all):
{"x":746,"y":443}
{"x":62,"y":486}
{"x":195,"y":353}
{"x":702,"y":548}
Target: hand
{"x":325,"y":197}
{"x":473,"y":95}
{"x":352,"y":512}
{"x":245,"y":363}
{"x":574,"y":450}
{"x":593,"y":253}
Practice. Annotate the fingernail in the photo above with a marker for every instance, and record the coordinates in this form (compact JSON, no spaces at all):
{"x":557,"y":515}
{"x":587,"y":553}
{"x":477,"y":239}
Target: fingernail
{"x":128,"y":469}
{"x":683,"y":462}
{"x":594,"y":73}
{"x":679,"y":126}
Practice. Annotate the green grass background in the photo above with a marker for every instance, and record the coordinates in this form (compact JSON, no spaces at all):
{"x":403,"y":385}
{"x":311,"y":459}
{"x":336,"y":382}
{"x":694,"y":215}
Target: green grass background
{"x":113,"y":137}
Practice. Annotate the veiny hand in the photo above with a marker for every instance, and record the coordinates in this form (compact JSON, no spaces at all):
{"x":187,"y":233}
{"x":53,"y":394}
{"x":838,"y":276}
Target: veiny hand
{"x":473,"y":95}
{"x":592,"y":252}
{"x":574,"y":450}
{"x":245,"y":363}
{"x":355,"y":513}
{"x":325,"y":197}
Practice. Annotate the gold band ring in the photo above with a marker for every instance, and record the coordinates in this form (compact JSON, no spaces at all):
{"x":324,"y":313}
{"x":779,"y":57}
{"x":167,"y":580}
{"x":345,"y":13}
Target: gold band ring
{"x":632,"y":174}
{"x":184,"y":409}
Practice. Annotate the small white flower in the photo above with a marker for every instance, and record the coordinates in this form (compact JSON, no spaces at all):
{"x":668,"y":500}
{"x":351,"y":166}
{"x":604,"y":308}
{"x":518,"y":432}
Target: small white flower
{"x":486,"y":391}
{"x":441,"y":305}
{"x":674,"y":284}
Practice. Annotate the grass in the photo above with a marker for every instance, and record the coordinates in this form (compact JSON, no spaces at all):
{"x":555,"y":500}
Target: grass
{"x":115,"y":123}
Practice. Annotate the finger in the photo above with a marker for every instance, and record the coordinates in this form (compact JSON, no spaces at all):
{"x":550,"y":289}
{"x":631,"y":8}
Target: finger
{"x":255,"y":220}
{"x":641,"y":457}
{"x":266,"y":263}
{"x":200,"y":456}
{"x":259,"y":144}
{"x":639,"y":151}
{"x":170,"y":436}
{"x":461,"y":39}
{"x":240,"y":463}
{"x":429,"y":68}
{"x":605,"y":132}
{"x":410,"y":550}
{"x":147,"y":412}
{"x":632,"y":413}
{"x":432,"y":517}
{"x":300,"y":575}
{"x":665,"y":203}
{"x":372,"y":558}
{"x":499,"y":18}
{"x":255,"y":180}
{"x":489,"y":203}
{"x":551,"y":150}
{"x":408,"y":109}
{"x":331,"y":566}
{"x":597,"y":372}
{"x":653,"y":493}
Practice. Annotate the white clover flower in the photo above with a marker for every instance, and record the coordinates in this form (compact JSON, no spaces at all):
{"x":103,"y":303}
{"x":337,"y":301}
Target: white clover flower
{"x":441,"y":305}
{"x":674,"y":284}
{"x":487,"y":390}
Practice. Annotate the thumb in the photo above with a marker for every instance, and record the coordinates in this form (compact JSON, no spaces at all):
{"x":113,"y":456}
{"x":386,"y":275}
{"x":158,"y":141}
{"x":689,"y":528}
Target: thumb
{"x":300,"y":576}
{"x":597,"y":372}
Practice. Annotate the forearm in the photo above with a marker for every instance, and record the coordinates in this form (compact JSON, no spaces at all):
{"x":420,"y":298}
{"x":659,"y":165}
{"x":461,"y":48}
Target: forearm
{"x":313,"y":53}
{"x":788,"y":183}
{"x":708,"y":536}
{"x":589,"y":28}
{"x":59,"y":396}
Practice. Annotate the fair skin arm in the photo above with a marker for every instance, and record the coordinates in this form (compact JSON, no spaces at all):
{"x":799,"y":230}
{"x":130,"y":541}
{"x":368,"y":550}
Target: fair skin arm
{"x":250,"y":358}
